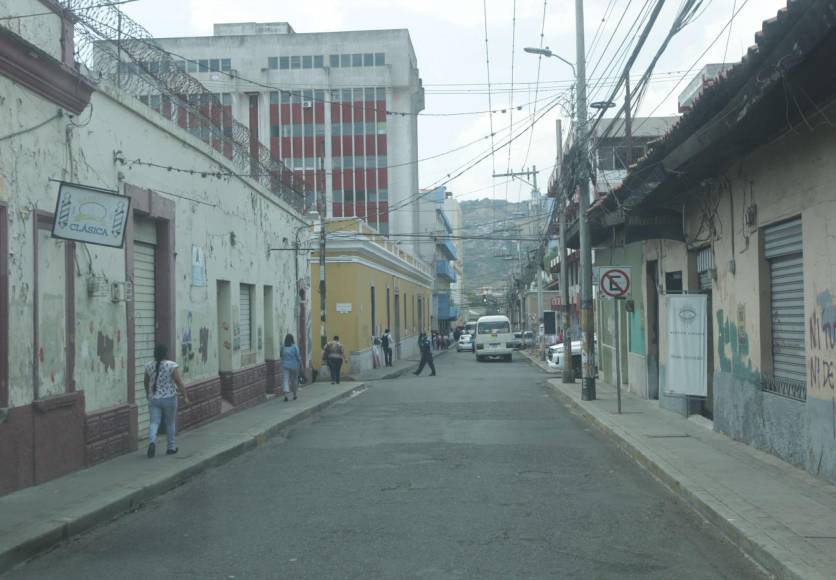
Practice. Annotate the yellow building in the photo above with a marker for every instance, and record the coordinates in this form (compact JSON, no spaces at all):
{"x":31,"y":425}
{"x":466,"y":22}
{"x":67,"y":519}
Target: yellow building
{"x":371,"y":285}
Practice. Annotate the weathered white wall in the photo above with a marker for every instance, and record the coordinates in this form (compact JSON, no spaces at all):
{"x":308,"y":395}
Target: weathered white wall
{"x":233,"y":220}
{"x":43,"y":30}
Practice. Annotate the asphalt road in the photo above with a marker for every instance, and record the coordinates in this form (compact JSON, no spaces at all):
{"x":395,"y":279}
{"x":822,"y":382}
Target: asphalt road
{"x":476,"y":473}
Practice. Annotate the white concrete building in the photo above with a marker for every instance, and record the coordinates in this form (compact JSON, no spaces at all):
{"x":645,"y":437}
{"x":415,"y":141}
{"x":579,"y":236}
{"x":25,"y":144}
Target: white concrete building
{"x":195,"y":270}
{"x":339,"y":107}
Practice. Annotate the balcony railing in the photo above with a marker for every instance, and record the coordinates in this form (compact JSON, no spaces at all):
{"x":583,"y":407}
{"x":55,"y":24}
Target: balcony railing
{"x":448,"y":248}
{"x":443,"y":269}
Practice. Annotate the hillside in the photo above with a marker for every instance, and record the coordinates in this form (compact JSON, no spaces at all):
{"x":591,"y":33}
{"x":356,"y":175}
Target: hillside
{"x":484,"y":264}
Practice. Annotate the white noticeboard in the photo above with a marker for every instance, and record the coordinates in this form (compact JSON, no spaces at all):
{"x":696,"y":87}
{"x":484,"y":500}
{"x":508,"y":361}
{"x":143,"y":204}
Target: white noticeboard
{"x":343,"y":307}
{"x":90,"y":215}
{"x":687,"y":369}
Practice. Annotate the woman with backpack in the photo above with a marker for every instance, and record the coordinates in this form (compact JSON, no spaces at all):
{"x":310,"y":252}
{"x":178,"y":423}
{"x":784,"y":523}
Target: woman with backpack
{"x":162,"y":382}
{"x":333,"y":356}
{"x":291,"y":361}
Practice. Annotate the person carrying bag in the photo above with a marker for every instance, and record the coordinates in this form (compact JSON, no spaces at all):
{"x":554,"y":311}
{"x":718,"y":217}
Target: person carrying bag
{"x":333,"y":356}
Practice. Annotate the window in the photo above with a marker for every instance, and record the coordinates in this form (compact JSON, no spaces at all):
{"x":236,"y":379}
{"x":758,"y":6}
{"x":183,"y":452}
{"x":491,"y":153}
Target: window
{"x":499,"y":327}
{"x":368,"y":59}
{"x":379,"y":59}
{"x":345,"y":60}
{"x":673,"y":282}
{"x":371,"y":128}
{"x":307,"y":61}
{"x":319,"y":129}
{"x":226,"y":64}
{"x":356,"y":60}
{"x":203,"y":65}
{"x":359,"y":162}
{"x":298,"y":131}
{"x":215,"y":65}
{"x":381,"y":127}
{"x":605,"y":158}
{"x":373,"y":312}
{"x":369,"y":94}
{"x":246,"y":317}
{"x":287,"y":131}
{"x":285,"y":97}
{"x":336,"y":163}
{"x":347,"y":129}
{"x":336,"y":129}
{"x":319,"y":95}
{"x":346,"y":95}
{"x":273,"y":62}
{"x":284,"y":63}
{"x":274,"y":97}
{"x":191,"y":66}
{"x":334,"y":61}
{"x":381,"y":94}
{"x":274,"y":131}
{"x":382,"y":161}
{"x":371,"y":161}
{"x":295,"y":62}
{"x":318,"y":61}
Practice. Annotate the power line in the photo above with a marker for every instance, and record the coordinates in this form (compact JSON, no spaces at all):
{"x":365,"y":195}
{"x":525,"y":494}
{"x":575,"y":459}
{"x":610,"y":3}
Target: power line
{"x":537,"y":85}
{"x":511,"y":91}
{"x":57,"y":115}
{"x":490,"y":97}
{"x":697,"y":60}
{"x":728,"y":38}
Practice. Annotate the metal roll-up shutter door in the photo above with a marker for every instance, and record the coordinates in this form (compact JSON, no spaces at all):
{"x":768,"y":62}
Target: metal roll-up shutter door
{"x":783,"y":250}
{"x":246,"y":318}
{"x":145,"y":327}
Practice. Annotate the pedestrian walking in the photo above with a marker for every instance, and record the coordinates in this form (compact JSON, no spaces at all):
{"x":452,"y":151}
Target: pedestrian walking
{"x":291,"y":361}
{"x":387,"y":341}
{"x":426,"y":355}
{"x":334,"y":356}
{"x":162,"y":382}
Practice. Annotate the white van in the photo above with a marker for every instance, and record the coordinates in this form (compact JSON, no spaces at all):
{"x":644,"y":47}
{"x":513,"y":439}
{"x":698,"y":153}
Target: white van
{"x":493,"y":338}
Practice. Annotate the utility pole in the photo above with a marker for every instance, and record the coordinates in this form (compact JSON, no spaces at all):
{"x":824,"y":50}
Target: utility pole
{"x":587,"y":319}
{"x":323,"y":303}
{"x":568,"y":371}
{"x":628,"y":120}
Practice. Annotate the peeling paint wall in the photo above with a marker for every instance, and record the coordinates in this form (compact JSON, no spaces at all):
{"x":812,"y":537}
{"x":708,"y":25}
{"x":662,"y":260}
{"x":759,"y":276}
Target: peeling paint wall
{"x":789,"y":178}
{"x":43,"y":30}
{"x":231,"y":220}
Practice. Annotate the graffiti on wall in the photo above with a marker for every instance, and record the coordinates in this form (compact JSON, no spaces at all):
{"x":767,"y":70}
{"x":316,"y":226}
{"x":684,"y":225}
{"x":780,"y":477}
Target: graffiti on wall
{"x":821,"y":360}
{"x":105,"y":351}
{"x":203,"y":349}
{"x":186,"y":353}
{"x":733,"y":349}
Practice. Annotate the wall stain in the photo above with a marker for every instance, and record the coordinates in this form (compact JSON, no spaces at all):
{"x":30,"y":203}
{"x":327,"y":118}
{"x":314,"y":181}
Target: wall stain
{"x":821,"y":360}
{"x":203,"y":349}
{"x":104,"y":349}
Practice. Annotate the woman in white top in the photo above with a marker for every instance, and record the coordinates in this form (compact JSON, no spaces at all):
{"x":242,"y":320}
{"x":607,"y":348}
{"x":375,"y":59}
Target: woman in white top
{"x":162,"y":381}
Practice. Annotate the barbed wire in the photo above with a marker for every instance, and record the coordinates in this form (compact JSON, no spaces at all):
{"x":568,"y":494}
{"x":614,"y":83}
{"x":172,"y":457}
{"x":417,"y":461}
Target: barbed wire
{"x":114,"y":48}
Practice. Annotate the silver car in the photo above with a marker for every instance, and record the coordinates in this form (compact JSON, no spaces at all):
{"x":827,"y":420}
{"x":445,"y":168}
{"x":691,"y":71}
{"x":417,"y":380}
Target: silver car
{"x":465,"y":343}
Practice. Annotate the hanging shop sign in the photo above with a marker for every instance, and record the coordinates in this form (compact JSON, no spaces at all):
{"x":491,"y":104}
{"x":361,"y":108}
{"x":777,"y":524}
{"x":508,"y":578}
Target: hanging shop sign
{"x":91,"y":215}
{"x":687,"y":364}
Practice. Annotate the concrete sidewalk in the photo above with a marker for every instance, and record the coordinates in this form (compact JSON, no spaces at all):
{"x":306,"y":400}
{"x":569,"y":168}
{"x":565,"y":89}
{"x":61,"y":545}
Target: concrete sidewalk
{"x":780,"y":516}
{"x":34,"y":519}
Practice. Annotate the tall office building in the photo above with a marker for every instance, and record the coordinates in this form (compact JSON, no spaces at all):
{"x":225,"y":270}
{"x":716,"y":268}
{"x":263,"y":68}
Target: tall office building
{"x":338,"y":108}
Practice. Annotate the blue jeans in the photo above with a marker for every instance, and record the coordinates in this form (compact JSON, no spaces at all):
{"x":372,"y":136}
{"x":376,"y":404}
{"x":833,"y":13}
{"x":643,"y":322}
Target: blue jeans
{"x":160,"y":409}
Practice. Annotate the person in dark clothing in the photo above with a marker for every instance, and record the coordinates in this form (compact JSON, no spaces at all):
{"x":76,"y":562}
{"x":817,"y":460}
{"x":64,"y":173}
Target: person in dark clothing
{"x":426,"y":355}
{"x":386,"y":343}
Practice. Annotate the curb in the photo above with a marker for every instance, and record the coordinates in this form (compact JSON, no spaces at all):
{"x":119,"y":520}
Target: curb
{"x":59,"y":530}
{"x":752,"y":549}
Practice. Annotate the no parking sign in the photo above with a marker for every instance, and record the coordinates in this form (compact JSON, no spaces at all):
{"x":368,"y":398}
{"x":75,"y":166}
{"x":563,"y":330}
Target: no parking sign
{"x":614,"y":281}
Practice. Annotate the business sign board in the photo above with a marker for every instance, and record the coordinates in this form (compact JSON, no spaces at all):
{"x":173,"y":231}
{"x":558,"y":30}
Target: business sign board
{"x":613,"y":281}
{"x":687,"y":363}
{"x":90,"y":215}
{"x":343,"y":307}
{"x":660,"y":225}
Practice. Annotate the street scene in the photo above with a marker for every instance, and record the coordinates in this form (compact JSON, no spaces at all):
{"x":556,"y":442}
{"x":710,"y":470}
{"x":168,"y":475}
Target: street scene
{"x":474,"y":473}
{"x":351,"y":289}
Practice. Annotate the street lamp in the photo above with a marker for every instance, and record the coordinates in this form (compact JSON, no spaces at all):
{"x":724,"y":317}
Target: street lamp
{"x":548,"y":53}
{"x":582,"y":138}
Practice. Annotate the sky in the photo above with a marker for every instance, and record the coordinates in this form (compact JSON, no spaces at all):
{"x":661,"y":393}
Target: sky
{"x":449,"y":40}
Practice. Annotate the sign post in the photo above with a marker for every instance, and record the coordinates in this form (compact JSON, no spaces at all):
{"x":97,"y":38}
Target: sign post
{"x":615,"y":282}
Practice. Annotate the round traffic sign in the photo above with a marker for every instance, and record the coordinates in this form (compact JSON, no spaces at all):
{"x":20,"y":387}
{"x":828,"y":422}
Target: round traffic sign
{"x":614,"y":283}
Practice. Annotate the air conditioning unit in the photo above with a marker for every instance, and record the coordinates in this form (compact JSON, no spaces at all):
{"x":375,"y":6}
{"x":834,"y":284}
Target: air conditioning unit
{"x":307,"y":104}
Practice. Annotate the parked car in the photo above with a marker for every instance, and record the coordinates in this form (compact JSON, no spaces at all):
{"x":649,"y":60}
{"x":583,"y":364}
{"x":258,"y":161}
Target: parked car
{"x":465,"y":343}
{"x":556,"y":358}
{"x":518,"y":340}
{"x":528,"y":339}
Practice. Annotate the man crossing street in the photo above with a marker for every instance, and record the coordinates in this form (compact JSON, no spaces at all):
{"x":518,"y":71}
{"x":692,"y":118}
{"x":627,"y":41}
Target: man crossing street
{"x":426,"y":355}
